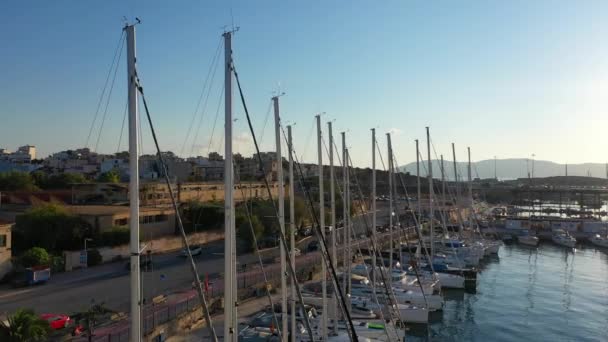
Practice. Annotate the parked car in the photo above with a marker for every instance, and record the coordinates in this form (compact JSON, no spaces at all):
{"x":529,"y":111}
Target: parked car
{"x":56,"y":321}
{"x":195,"y":250}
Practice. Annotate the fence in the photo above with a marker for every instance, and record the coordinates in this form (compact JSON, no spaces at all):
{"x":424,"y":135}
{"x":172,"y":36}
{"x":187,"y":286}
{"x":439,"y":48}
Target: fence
{"x":158,"y":314}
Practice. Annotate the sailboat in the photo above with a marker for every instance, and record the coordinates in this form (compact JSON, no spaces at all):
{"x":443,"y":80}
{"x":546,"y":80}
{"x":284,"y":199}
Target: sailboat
{"x":599,"y":240}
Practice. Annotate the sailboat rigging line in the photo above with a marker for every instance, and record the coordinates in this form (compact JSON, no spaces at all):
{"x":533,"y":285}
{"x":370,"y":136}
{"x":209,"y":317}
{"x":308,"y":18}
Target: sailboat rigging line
{"x":105,"y":111}
{"x":396,"y":209}
{"x":105,"y":85}
{"x":388,"y":289}
{"x":204,"y":108}
{"x":211,"y":66}
{"x":352,"y":231}
{"x":265,"y":121}
{"x":326,"y":257}
{"x":180,"y":224}
{"x":292,"y":271}
{"x":259,"y":255}
{"x":217,"y":112}
{"x":122,"y":127}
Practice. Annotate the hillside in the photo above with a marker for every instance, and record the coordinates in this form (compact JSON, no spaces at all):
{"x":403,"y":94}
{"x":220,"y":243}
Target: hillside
{"x":512,"y":169}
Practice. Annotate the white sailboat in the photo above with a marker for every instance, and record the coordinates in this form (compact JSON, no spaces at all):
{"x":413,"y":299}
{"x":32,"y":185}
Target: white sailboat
{"x":563,"y":238}
{"x":599,"y":240}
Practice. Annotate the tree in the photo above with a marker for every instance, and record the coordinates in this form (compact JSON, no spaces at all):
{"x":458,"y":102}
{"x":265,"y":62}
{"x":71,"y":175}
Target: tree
{"x":17,"y":181}
{"x":50,"y":226}
{"x":111,"y":176}
{"x":35,"y":256}
{"x":24,"y":326}
{"x":90,"y":318}
{"x":243,"y":229}
{"x":94,"y":258}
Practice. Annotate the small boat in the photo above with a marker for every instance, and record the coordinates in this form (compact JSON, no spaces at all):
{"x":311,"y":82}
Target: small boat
{"x":563,"y":238}
{"x":599,"y":240}
{"x":526,"y":239}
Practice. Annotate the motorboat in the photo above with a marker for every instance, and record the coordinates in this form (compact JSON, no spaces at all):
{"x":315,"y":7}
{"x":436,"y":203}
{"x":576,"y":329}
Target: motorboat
{"x":599,"y":240}
{"x":563,"y":238}
{"x":525,"y":238}
{"x":413,"y":314}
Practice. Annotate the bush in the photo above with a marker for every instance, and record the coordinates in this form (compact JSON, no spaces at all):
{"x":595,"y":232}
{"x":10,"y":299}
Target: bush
{"x":35,"y":256}
{"x":115,"y":237}
{"x":93,"y":257}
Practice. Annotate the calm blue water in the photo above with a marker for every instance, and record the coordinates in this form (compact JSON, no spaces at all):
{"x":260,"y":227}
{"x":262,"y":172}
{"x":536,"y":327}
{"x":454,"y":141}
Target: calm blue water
{"x":544,"y":294}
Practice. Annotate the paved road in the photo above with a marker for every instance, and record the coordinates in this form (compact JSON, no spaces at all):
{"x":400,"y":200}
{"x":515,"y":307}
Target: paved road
{"x":73,"y":291}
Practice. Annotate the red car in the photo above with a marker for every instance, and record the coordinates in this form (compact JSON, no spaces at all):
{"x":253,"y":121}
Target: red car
{"x":56,"y":321}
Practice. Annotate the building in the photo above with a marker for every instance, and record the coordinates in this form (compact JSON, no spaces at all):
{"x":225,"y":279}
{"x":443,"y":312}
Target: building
{"x":5,"y":248}
{"x":23,"y":155}
{"x":154,"y":221}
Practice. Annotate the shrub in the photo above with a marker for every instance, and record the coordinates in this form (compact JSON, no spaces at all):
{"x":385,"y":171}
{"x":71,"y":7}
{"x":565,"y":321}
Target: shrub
{"x":35,"y":256}
{"x":93,"y":257}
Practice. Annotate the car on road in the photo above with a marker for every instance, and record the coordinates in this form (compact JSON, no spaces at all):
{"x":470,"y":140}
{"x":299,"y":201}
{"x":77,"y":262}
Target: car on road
{"x":195,"y":250}
{"x":56,"y":321}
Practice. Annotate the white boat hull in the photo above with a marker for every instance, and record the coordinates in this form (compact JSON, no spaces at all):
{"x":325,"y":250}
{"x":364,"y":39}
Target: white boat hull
{"x":413,"y":314}
{"x":450,"y":281}
{"x":565,"y":243}
{"x":600,"y":242}
{"x":434,"y":302}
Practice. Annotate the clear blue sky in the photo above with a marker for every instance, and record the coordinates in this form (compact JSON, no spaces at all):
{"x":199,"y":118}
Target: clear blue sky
{"x":508,"y":78}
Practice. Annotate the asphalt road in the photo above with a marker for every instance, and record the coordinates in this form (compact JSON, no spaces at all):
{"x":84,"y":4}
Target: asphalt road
{"x":74,"y":291}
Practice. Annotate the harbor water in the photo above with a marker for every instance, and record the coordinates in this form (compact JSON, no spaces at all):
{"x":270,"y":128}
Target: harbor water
{"x":547,"y":293}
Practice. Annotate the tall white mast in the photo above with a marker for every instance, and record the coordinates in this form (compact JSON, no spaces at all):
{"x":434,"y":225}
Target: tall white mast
{"x":292,"y":228}
{"x":136,"y":332}
{"x":470,"y":178}
{"x":280,"y":180}
{"x":374,"y":209}
{"x":431,"y":213}
{"x":457,"y":192}
{"x":345,"y":287}
{"x":348,"y":229}
{"x":332,"y":199}
{"x":322,"y":224}
{"x":418,"y":199}
{"x":442,"y":182}
{"x":230,"y":332}
{"x":390,"y":203}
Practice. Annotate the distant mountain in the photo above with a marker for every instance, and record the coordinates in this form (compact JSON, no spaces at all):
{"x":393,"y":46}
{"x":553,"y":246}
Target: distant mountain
{"x":509,"y":169}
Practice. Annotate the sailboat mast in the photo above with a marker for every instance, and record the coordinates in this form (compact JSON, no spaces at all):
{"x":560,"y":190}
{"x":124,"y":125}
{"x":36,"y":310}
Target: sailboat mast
{"x":230,"y":329}
{"x":419,"y":194}
{"x":344,"y":232}
{"x":280,"y":180}
{"x":442,"y":182}
{"x":348,"y":229}
{"x":136,"y":332}
{"x":292,"y":228}
{"x":390,"y":203}
{"x":470,"y":178}
{"x":332,"y":199}
{"x":457,"y":192}
{"x":431,"y":212}
{"x":322,"y":223}
{"x":374,"y":208}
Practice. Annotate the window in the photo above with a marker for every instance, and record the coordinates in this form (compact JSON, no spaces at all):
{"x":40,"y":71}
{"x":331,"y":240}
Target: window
{"x":2,"y":240}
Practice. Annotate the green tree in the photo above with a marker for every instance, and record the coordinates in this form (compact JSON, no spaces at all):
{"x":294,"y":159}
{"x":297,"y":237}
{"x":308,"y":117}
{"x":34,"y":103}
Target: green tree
{"x":243,"y":229}
{"x":50,"y":226}
{"x":91,"y":317}
{"x":63,"y":180}
{"x":24,"y":326}
{"x":16,"y":181}
{"x":35,"y":256}
{"x":109,"y":177}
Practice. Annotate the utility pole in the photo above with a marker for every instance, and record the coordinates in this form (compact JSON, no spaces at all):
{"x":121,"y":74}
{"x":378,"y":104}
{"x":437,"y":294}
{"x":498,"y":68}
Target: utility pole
{"x":280,"y":180}
{"x":322,"y":223}
{"x":230,"y":295}
{"x":332,"y":199}
{"x":136,"y":331}
{"x":431,"y":212}
{"x":292,"y":228}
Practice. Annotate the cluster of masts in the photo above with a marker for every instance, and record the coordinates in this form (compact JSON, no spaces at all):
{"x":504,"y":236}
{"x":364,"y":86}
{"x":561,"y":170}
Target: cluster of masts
{"x":339,"y":299}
